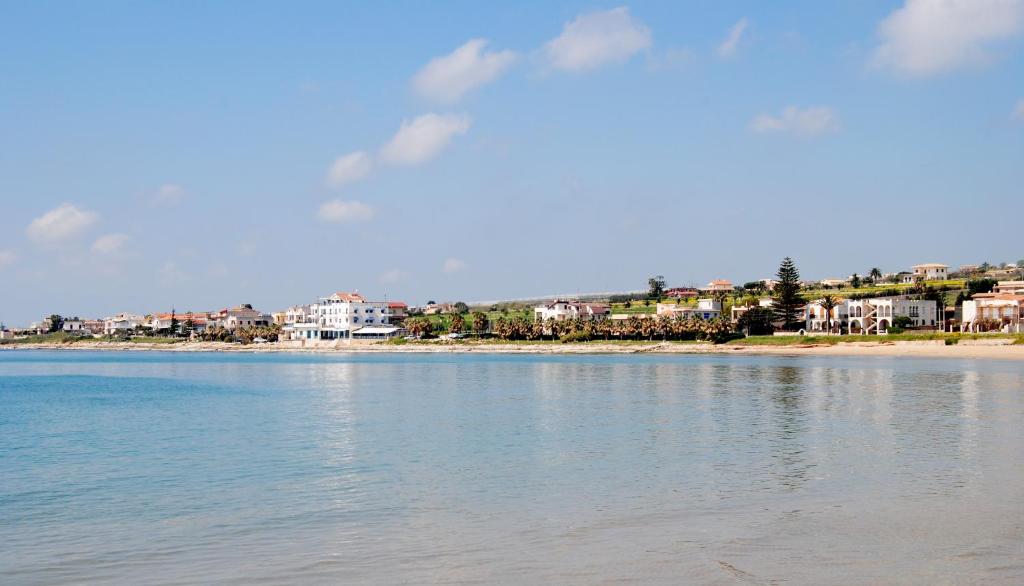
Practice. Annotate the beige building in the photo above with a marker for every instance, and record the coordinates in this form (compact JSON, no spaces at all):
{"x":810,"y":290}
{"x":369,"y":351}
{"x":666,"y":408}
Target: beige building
{"x":1001,"y":311}
{"x":927,"y":272}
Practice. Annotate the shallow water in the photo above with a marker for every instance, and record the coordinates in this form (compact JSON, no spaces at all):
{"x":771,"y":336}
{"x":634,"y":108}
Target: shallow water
{"x":175,"y":468}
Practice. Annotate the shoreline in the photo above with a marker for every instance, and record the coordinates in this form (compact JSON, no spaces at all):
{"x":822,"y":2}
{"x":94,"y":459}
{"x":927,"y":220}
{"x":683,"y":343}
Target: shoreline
{"x":971,"y":349}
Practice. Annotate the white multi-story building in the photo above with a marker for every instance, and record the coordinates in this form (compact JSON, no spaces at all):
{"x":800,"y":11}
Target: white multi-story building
{"x":335,"y":317}
{"x":239,"y":317}
{"x":927,"y":272}
{"x":817,"y":320}
{"x":875,"y":316}
{"x":560,"y":309}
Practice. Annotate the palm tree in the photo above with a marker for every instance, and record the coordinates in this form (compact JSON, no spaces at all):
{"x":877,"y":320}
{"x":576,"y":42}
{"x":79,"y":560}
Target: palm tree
{"x":828,"y":303}
{"x":875,"y":273}
{"x":479,"y":322}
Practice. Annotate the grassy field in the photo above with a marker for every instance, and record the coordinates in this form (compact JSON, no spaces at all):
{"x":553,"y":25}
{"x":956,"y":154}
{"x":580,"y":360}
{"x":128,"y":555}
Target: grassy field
{"x":810,"y":294}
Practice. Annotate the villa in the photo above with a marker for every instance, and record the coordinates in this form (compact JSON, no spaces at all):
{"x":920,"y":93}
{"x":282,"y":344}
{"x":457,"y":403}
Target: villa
{"x":985,"y":311}
{"x":242,"y":316}
{"x":162,"y":321}
{"x":718,"y":286}
{"x":705,"y":309}
{"x":927,"y":272}
{"x":816,"y":319}
{"x":559,"y":310}
{"x":875,"y":316}
{"x":737,"y":311}
{"x":73,"y":326}
{"x":681,"y":292}
{"x":122,"y":323}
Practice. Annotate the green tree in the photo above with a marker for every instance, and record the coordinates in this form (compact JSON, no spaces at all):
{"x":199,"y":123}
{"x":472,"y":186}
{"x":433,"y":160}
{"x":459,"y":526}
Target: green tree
{"x":56,"y":323}
{"x":875,"y":273}
{"x":828,"y":303}
{"x":786,"y":293}
{"x":461,"y":307}
{"x":189,"y":326}
{"x":174,"y":323}
{"x":655,"y":287}
{"x":855,"y":281}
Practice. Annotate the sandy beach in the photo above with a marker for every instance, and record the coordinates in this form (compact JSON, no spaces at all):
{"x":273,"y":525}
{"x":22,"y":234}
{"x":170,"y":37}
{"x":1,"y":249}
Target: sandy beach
{"x":996,"y":348}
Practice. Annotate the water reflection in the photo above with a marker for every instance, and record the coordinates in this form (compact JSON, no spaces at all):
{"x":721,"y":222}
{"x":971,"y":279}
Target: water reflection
{"x":433,"y":468}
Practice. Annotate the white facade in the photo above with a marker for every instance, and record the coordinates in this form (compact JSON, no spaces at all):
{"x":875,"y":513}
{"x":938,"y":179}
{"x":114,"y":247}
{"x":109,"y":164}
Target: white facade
{"x":73,"y":326}
{"x":1004,"y":311}
{"x":335,"y":317}
{"x":122,"y":323}
{"x":816,"y":319}
{"x":874,"y":316}
{"x":560,"y":310}
{"x":1009,"y":287}
{"x":928,"y":272}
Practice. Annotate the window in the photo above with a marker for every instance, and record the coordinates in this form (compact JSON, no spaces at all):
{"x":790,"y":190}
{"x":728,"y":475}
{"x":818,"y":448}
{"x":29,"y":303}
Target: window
{"x":914,"y":311}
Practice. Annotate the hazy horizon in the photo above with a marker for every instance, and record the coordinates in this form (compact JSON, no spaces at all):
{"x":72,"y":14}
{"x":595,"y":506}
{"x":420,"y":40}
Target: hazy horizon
{"x":198,"y":156}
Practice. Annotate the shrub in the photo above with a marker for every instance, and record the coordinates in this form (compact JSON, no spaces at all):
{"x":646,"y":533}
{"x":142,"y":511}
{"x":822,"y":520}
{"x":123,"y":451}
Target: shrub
{"x":576,"y":336}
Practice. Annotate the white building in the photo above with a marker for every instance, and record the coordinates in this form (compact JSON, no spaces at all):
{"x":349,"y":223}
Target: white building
{"x":816,"y":319}
{"x":875,"y":316}
{"x":718,"y":286}
{"x":122,"y":323}
{"x":1000,"y":311}
{"x":927,"y":272}
{"x":335,"y":317}
{"x":73,"y":325}
{"x":239,"y":317}
{"x":560,"y":309}
{"x":737,"y":311}
{"x":705,"y":309}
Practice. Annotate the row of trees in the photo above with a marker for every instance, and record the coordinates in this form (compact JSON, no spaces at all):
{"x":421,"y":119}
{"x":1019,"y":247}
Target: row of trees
{"x":579,"y":330}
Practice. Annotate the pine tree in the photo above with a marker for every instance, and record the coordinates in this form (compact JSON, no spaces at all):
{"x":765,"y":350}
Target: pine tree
{"x":786,"y":293}
{"x":174,"y":323}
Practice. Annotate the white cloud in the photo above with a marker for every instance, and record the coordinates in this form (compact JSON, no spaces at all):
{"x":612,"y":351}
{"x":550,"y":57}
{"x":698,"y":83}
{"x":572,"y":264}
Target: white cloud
{"x":927,"y":37}
{"x":393,"y":276}
{"x":807,"y":122}
{"x":422,"y":138}
{"x":349,"y":168}
{"x":169,"y":194}
{"x":448,"y":78}
{"x":345,"y":211}
{"x":597,"y":39}
{"x":109,"y":243}
{"x":732,"y":40}
{"x":60,"y":224}
{"x":7,"y":258}
{"x":1018,"y":112}
{"x":453,"y":265}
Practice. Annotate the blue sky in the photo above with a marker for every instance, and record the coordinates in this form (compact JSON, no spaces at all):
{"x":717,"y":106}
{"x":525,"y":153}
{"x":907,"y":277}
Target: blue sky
{"x":199,"y":155}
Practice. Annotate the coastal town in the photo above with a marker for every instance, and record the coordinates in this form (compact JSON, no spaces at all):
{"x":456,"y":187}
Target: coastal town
{"x":927,"y":298}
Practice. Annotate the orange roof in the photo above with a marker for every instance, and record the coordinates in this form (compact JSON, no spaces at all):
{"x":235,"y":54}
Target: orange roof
{"x":350,"y":297}
{"x":397,"y":304}
{"x":721,"y":282}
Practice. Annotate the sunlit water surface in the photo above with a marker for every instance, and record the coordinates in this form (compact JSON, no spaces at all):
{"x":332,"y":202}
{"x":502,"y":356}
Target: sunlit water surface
{"x":153,"y":468}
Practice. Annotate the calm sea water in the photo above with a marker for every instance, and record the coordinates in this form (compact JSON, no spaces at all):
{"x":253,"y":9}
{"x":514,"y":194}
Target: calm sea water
{"x":173,"y":468}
